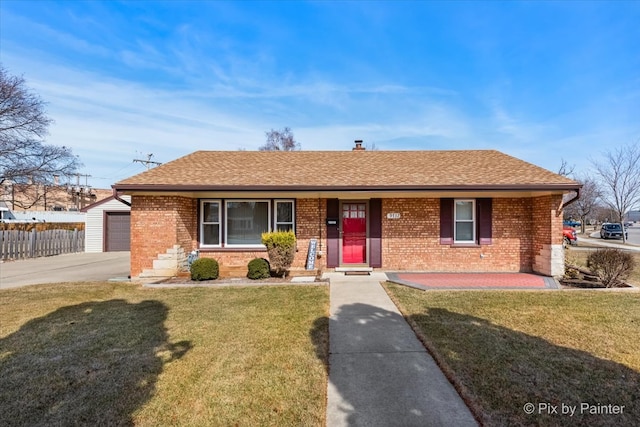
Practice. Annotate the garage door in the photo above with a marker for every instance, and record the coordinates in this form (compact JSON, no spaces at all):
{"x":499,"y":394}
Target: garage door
{"x":118,"y":231}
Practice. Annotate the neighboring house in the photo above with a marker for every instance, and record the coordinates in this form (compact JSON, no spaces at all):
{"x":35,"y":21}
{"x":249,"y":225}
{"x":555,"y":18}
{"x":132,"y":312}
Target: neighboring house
{"x":39,"y":197}
{"x":9,"y":216}
{"x":5,"y":212}
{"x":107,"y":227}
{"x":446,"y":211}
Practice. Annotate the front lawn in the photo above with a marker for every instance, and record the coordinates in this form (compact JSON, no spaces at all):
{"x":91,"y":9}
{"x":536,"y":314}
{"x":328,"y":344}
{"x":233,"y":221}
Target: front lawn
{"x":507,"y":349}
{"x":118,"y":354}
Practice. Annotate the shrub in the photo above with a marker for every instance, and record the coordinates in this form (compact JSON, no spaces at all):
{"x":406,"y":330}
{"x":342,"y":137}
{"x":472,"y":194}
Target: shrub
{"x":281,"y":247}
{"x":258,"y":269}
{"x":204,"y":269}
{"x":612,"y":266}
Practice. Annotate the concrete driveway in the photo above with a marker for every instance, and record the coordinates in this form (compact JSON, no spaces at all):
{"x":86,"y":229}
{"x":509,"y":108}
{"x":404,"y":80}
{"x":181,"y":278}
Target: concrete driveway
{"x":79,"y":267}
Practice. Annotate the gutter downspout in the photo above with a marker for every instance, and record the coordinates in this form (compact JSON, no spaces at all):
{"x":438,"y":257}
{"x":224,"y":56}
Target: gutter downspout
{"x":568,"y":202}
{"x":118,"y":198}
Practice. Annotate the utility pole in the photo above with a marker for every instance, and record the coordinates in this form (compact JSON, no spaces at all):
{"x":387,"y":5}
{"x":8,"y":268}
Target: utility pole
{"x":79,"y":192}
{"x":147,"y":162}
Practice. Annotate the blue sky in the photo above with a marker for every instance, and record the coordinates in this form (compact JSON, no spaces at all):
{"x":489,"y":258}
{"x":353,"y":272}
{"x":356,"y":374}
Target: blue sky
{"x":537,"y":80}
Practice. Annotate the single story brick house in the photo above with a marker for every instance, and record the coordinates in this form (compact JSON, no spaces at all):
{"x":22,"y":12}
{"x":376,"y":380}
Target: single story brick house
{"x":444,"y":211}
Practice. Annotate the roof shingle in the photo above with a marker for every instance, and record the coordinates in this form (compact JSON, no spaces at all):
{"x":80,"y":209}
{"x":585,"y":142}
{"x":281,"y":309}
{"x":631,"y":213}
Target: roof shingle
{"x":345,"y":169}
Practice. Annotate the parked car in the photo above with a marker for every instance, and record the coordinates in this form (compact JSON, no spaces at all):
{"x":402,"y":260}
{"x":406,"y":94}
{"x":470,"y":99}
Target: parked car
{"x":569,"y":236}
{"x":571,"y":223}
{"x":612,"y":231}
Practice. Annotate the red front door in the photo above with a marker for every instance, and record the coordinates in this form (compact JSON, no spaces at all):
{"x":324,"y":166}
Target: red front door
{"x":354,"y":233}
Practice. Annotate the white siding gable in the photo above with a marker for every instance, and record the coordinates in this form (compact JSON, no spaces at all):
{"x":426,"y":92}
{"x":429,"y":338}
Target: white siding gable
{"x":94,"y":232}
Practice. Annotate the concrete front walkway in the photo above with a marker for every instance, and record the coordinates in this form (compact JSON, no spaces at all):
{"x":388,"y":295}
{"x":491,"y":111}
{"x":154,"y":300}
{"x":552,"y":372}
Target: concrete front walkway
{"x":379,"y":373}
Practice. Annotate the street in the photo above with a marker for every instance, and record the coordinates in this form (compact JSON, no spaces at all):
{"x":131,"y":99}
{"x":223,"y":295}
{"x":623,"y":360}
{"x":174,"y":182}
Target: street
{"x":633,"y":240}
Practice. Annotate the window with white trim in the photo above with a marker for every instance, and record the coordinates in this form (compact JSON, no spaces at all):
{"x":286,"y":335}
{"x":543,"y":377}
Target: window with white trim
{"x":240,"y":223}
{"x":284,"y":215}
{"x":464,"y":221}
{"x":210,"y":223}
{"x":246,"y":220}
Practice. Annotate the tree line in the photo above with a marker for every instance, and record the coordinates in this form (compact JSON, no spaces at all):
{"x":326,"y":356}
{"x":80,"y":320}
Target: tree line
{"x":610,"y":189}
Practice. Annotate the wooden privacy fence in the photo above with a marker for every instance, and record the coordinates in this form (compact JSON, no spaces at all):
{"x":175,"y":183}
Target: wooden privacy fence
{"x":17,"y":244}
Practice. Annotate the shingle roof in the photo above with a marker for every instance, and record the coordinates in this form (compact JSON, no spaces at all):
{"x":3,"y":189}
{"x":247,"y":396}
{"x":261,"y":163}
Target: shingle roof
{"x":345,"y":170}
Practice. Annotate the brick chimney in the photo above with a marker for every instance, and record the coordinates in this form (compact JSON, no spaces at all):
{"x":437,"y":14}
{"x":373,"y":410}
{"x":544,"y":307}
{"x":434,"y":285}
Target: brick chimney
{"x":358,"y":146}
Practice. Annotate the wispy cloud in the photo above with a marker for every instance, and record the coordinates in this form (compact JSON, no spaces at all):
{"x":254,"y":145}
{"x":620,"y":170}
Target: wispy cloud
{"x":128,"y":78}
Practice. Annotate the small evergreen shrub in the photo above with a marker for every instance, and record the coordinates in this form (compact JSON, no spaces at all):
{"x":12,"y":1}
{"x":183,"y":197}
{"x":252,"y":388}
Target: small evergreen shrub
{"x":204,"y":269}
{"x":281,"y":247}
{"x":612,"y":266}
{"x":258,"y":269}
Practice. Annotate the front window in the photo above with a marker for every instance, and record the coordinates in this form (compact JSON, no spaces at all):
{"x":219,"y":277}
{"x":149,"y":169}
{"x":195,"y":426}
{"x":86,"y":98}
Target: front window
{"x":284,"y":215}
{"x":210,"y":230}
{"x":240,"y":223}
{"x":246,"y":221}
{"x":465,"y":227}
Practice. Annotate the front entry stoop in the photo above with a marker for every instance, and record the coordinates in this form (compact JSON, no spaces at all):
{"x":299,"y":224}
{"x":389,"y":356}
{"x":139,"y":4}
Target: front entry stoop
{"x":167,"y":264}
{"x":354,"y":270}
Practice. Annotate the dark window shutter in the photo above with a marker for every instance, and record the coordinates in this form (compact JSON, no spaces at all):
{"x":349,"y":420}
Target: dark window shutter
{"x":333,"y":233}
{"x":375,"y":233}
{"x":484,"y":212}
{"x":446,"y":221}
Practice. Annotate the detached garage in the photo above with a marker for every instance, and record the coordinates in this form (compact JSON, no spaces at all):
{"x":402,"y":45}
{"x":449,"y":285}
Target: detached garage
{"x":108,"y":226}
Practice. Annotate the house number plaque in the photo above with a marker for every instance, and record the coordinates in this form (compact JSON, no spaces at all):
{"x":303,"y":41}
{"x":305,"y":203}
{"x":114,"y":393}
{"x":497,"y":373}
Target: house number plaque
{"x":393,"y":215}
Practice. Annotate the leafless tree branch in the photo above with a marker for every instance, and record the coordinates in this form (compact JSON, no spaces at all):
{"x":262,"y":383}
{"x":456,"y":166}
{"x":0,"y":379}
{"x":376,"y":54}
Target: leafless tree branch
{"x":23,"y":124}
{"x":619,"y":176}
{"x":280,"y":140}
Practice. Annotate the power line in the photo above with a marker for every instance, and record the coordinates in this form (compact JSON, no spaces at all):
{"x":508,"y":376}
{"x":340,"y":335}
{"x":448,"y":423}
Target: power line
{"x":147,"y":162}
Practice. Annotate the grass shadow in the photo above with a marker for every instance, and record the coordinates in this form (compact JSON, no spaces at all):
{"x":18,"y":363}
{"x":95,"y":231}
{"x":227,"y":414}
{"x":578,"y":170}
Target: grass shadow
{"x":501,"y":370}
{"x":93,"y":363}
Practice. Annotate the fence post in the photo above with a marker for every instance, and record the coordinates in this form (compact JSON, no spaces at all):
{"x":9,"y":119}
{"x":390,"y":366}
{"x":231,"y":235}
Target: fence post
{"x":32,"y":244}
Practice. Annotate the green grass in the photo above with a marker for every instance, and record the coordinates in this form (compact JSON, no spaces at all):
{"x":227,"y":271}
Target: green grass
{"x":504,"y":349}
{"x":117,"y":354}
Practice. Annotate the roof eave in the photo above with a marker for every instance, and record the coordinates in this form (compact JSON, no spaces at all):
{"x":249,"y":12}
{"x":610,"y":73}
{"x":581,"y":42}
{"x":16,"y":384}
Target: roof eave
{"x":379,"y":188}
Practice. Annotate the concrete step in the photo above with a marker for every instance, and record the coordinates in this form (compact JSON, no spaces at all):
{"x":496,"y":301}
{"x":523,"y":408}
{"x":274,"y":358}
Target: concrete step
{"x":301,"y":272}
{"x":175,"y":251}
{"x":158,"y":272}
{"x":166,"y":256}
{"x":165,"y":263}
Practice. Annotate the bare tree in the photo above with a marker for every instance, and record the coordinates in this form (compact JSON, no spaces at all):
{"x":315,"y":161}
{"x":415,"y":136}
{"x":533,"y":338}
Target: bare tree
{"x":619,"y":175}
{"x":566,"y":169}
{"x":280,"y":140}
{"x":587,"y":204}
{"x":24,"y":158}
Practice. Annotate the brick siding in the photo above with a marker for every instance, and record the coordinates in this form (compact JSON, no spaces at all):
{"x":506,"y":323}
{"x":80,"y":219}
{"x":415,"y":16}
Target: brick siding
{"x":411,"y":242}
{"x":547,"y":236}
{"x":158,"y":223}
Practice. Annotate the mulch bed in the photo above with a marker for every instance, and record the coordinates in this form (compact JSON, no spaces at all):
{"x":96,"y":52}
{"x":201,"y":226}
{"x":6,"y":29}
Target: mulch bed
{"x":584,"y":280}
{"x":186,"y":280}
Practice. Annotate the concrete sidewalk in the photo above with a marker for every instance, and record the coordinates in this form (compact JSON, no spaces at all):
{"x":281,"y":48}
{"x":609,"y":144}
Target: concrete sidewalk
{"x":379,"y":373}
